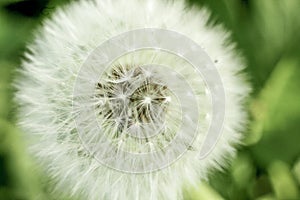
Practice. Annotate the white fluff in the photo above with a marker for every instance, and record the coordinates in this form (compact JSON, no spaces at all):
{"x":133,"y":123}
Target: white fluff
{"x":45,"y":95}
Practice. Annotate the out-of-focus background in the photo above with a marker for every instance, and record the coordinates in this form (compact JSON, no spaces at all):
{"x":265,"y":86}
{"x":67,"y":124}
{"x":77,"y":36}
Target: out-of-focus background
{"x":267,"y":33}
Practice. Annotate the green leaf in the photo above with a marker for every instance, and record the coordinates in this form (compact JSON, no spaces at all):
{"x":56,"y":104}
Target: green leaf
{"x":276,"y":114}
{"x":283,"y":183}
{"x":21,"y":175}
{"x":243,"y":171}
{"x":5,"y":2}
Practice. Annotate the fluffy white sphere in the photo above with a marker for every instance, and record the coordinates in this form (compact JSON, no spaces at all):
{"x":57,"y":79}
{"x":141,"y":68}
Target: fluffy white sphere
{"x":91,"y":125}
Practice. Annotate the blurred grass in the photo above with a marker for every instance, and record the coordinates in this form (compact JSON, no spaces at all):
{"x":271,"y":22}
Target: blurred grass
{"x":18,"y":182}
{"x":267,"y":166}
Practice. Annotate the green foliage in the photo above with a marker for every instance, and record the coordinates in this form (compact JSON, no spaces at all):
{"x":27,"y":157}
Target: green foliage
{"x":5,"y":2}
{"x":268,"y":164}
{"x":17,"y":174}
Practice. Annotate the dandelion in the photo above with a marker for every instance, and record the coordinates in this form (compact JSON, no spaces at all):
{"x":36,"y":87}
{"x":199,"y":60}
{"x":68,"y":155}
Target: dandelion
{"x":131,"y":99}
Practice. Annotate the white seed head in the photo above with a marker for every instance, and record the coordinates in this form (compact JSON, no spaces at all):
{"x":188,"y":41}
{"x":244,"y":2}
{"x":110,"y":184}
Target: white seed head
{"x":131,"y":99}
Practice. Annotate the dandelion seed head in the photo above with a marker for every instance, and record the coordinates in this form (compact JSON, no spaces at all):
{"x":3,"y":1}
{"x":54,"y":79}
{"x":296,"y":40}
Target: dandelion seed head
{"x":119,"y":98}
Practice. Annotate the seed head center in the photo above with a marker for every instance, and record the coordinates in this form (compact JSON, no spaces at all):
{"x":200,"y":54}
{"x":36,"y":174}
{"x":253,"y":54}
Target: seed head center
{"x":147,"y":100}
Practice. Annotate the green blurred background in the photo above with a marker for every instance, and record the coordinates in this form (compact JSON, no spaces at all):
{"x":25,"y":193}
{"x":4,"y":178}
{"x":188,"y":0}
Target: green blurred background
{"x":267,"y":33}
